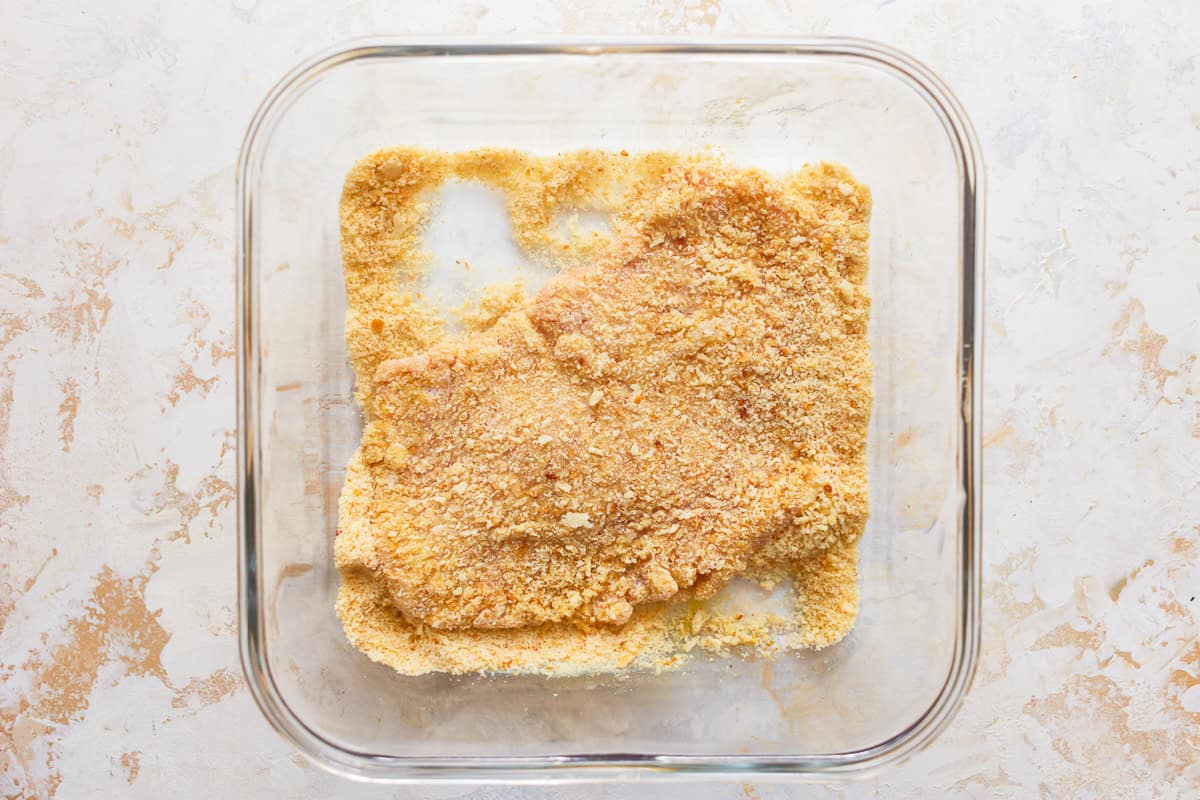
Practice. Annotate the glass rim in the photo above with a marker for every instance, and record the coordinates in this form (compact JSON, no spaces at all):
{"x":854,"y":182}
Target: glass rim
{"x":614,"y":765}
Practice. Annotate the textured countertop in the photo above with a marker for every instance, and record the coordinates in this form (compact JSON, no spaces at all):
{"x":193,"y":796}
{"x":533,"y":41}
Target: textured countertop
{"x":119,"y":128}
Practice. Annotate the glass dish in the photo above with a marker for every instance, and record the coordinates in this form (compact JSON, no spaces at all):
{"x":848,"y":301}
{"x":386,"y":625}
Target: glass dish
{"x":878,"y":696}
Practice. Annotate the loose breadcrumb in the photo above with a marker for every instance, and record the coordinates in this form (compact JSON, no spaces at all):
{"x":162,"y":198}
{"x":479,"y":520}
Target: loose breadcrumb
{"x":492,"y":305}
{"x":556,"y":490}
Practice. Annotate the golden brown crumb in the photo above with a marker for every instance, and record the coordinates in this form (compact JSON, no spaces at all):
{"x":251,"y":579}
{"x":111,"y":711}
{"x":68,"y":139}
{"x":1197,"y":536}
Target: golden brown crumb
{"x":692,"y":404}
{"x":495,"y":302}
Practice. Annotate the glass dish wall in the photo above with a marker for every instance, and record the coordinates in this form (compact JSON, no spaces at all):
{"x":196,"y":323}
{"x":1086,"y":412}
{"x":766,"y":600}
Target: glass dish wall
{"x":878,"y":695}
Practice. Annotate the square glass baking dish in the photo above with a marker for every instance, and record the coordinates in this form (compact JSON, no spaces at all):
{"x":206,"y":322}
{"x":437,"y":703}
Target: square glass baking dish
{"x":876,"y":697}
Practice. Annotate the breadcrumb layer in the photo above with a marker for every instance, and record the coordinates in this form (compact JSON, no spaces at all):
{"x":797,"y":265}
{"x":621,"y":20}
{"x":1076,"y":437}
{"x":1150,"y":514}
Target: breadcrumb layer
{"x":558,"y":488}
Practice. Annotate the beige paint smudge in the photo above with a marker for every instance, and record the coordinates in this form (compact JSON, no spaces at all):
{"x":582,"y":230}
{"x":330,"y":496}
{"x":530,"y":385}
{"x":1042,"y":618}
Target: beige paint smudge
{"x":221,"y":623}
{"x":984,"y":782}
{"x":208,"y":690}
{"x":186,"y":382}
{"x":1019,"y":451}
{"x":115,"y":626}
{"x":673,"y":16}
{"x":1183,"y":678}
{"x":1003,"y":608}
{"x":155,"y":221}
{"x":114,"y":635}
{"x":1131,"y":334}
{"x":10,"y":498}
{"x":81,"y":311}
{"x":228,"y":443}
{"x":1114,"y":592}
{"x":1064,"y":635}
{"x":12,"y":587}
{"x":998,"y":436}
{"x":1085,"y":720}
{"x":221,"y":351}
{"x":67,"y":411}
{"x":212,"y":495}
{"x":1116,"y":714}
{"x":192,"y":311}
{"x":131,"y":762}
{"x":32,"y":290}
{"x":11,"y":326}
{"x":906,"y":437}
{"x":10,"y":594}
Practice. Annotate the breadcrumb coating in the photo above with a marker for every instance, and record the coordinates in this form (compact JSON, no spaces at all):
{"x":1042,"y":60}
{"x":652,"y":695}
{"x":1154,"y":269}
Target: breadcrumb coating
{"x":557,"y":488}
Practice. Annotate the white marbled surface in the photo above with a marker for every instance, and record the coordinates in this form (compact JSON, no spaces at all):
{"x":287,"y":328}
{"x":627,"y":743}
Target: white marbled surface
{"x":119,"y":126}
